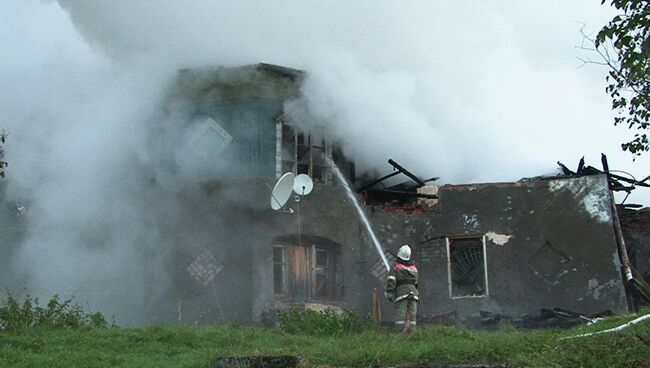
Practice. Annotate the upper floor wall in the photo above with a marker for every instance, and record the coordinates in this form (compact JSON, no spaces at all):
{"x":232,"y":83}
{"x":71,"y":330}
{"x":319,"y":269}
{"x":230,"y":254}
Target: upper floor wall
{"x":235,"y":125}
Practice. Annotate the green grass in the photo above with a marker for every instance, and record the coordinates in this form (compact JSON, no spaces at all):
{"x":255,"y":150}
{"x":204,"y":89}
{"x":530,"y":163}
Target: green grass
{"x":200,"y":346}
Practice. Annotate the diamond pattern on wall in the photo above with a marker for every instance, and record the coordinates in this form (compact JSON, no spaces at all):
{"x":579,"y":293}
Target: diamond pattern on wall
{"x":549,"y":262}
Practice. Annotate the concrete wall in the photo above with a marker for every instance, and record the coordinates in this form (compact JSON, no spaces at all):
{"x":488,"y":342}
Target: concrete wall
{"x":549,"y":243}
{"x":234,"y":221}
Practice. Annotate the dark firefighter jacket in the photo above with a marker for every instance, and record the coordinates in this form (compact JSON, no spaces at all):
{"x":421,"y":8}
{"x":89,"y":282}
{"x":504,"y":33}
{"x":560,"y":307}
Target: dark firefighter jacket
{"x":402,"y":281}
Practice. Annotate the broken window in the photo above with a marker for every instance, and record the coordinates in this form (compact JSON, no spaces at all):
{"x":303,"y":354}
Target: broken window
{"x":305,"y":273}
{"x":466,"y":267}
{"x":302,"y":152}
{"x":209,"y":138}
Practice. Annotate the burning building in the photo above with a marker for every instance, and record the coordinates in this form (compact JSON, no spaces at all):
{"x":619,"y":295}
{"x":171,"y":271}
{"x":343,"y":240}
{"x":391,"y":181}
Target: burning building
{"x":505,"y":248}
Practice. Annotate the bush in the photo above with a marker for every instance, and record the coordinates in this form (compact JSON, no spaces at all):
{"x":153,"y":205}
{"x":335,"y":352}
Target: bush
{"x":58,"y":314}
{"x":310,"y":322}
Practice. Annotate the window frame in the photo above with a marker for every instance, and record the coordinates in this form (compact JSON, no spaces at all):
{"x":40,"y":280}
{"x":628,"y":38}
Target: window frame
{"x":206,"y":124}
{"x":330,"y":270}
{"x":284,"y":293}
{"x":308,"y":145}
{"x":449,"y":240}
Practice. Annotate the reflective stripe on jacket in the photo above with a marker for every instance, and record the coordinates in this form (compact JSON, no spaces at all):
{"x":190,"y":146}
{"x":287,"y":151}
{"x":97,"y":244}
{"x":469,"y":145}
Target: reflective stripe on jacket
{"x":402,"y":281}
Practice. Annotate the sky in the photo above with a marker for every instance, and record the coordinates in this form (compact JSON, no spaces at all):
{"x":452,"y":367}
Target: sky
{"x":469,"y":91}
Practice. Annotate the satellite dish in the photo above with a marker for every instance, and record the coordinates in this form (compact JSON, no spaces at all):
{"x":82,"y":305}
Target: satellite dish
{"x":282,"y":191}
{"x":303,"y":184}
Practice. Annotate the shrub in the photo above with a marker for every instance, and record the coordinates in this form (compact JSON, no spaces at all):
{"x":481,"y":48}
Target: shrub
{"x":58,"y":314}
{"x":310,"y":322}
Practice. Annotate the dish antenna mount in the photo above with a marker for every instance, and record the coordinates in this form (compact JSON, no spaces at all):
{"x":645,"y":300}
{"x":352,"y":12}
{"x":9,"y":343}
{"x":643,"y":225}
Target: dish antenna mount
{"x":282,"y":191}
{"x":303,"y":185}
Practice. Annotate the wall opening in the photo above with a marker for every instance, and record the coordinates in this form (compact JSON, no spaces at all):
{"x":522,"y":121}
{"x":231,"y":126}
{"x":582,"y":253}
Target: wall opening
{"x":467,"y":267}
{"x":302,"y":152}
{"x":306,"y":273}
{"x":280,"y":270}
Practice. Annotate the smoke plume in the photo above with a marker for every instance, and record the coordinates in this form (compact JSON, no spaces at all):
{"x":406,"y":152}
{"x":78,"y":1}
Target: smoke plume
{"x":468,"y":92}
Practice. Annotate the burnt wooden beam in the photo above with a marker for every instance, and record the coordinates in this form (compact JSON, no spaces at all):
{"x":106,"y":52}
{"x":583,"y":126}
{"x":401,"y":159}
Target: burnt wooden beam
{"x":581,"y":165}
{"x":431,"y":179}
{"x":565,"y":169}
{"x":379,"y":180}
{"x":631,"y":205}
{"x":631,"y":181}
{"x":406,"y":172}
{"x":618,"y":237}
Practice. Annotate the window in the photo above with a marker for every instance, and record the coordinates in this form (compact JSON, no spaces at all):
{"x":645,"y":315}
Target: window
{"x":305,"y":273}
{"x":279,"y":270}
{"x":209,"y":138}
{"x":467,"y":265}
{"x":323,"y":274}
{"x":302,"y":152}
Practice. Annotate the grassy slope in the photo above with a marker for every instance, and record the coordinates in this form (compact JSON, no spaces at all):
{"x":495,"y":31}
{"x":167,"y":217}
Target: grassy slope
{"x":188,"y":346}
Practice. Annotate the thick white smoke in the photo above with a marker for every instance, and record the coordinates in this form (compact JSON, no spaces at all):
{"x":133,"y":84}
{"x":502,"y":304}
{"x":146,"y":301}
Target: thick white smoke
{"x":470,"y":91}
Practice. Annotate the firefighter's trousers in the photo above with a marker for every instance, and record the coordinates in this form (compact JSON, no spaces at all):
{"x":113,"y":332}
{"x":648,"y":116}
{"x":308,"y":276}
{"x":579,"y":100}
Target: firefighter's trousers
{"x":405,"y":312}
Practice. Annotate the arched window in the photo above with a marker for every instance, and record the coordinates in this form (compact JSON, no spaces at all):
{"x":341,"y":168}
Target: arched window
{"x":306,"y":269}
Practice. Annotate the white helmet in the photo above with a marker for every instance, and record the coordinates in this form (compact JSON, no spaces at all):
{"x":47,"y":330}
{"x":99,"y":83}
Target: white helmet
{"x":404,"y":252}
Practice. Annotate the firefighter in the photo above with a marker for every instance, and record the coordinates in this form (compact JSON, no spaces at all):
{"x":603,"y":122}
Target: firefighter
{"x":402,"y":288}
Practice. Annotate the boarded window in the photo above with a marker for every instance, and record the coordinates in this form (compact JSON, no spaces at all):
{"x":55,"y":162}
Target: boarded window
{"x":466,"y":266}
{"x":305,"y":273}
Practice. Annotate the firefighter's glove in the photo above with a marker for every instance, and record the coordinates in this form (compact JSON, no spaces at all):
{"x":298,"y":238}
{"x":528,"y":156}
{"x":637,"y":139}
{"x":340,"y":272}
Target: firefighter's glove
{"x":388,"y":296}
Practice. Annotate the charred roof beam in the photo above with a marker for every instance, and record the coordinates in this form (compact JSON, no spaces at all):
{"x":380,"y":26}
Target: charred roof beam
{"x":401,"y":169}
{"x":379,"y":180}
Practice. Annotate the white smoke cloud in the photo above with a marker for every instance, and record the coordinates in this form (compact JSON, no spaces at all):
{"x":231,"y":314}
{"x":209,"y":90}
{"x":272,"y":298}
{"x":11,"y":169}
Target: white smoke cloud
{"x":468,"y":91}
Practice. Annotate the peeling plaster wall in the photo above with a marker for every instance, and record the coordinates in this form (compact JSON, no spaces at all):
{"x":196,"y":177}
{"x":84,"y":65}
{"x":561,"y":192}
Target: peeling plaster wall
{"x":240,"y":235}
{"x":577,"y":269}
{"x":549,"y":243}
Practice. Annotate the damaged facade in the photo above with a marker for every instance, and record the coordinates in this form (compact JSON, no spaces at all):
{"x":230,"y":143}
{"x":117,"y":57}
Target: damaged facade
{"x":505,"y":248}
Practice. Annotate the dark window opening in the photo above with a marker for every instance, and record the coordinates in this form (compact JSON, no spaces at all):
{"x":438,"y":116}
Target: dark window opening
{"x":288,"y":148}
{"x":467,"y":277}
{"x":304,"y":153}
{"x":321,"y":258}
{"x":279,"y":271}
{"x":323,"y":273}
